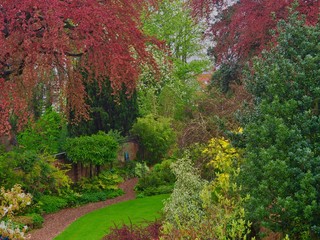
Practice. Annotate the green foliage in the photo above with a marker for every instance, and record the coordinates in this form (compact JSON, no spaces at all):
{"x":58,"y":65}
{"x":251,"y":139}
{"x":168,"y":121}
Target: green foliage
{"x":155,"y":137}
{"x":37,"y":220}
{"x":108,"y":111}
{"x":222,"y":203}
{"x":175,"y":89}
{"x":47,"y":134}
{"x":281,"y":171}
{"x":32,"y":220}
{"x":37,"y":173}
{"x":200,"y":209}
{"x":172,"y":22}
{"x":141,"y":169}
{"x":97,"y":196}
{"x":104,"y":181}
{"x":226,"y":75}
{"x":184,"y":207}
{"x":97,"y":149}
{"x":158,"y":181}
{"x":50,"y":204}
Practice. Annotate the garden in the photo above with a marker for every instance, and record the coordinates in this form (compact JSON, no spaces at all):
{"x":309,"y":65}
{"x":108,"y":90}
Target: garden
{"x":165,"y":119}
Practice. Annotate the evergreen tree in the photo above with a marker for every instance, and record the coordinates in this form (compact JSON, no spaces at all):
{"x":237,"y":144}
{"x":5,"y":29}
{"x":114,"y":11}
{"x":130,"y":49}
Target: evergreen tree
{"x":108,"y":111}
{"x":281,"y":172}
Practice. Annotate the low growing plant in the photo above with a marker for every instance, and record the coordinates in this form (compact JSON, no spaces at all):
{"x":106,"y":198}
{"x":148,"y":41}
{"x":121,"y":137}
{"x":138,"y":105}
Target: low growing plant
{"x":50,"y":204}
{"x":104,"y":181}
{"x":12,"y":202}
{"x":135,"y":232}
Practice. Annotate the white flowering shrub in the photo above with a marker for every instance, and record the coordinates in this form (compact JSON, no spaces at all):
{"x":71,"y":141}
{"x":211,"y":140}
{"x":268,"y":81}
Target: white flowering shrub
{"x":12,"y":202}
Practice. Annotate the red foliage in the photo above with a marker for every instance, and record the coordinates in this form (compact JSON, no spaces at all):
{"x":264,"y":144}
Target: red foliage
{"x":130,"y":232}
{"x":52,"y":42}
{"x":243,"y":29}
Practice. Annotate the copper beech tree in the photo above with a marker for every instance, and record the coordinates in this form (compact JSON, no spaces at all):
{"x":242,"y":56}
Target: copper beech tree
{"x":62,"y":44}
{"x":241,"y":29}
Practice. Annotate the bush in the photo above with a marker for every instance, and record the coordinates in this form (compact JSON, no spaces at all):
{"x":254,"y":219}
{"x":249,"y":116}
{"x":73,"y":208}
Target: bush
{"x":158,"y":181}
{"x":127,"y":170}
{"x":155,"y":136}
{"x":281,"y":171}
{"x":97,"y":149}
{"x":45,"y":135}
{"x":12,"y":202}
{"x":88,"y":197}
{"x":105,"y":181}
{"x":198,"y":209}
{"x":50,"y":204}
{"x":37,"y":173}
{"x":152,"y":231}
{"x":37,"y":220}
{"x":184,"y":207}
{"x":141,"y":169}
{"x":32,"y":220}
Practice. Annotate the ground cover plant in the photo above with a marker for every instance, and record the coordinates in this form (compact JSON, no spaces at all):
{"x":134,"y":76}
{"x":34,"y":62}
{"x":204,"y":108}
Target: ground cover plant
{"x":96,"y":224}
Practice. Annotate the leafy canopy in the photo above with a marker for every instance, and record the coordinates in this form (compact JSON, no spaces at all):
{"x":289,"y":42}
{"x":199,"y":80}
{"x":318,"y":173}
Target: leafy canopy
{"x":97,"y":149}
{"x":281,"y":171}
{"x":52,"y":42}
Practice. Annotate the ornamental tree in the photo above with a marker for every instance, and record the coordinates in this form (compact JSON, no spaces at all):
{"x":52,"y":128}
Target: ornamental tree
{"x":242,"y":29}
{"x":98,"y":149}
{"x":54,"y":42}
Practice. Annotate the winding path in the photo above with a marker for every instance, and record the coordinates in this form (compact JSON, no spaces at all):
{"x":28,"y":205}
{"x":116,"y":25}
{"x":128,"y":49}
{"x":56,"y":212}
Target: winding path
{"x":55,"y":223}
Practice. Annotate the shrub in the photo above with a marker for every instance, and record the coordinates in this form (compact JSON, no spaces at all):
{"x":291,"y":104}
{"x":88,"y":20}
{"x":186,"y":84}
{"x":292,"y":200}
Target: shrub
{"x":50,"y":204}
{"x":184,"y":207}
{"x":198,"y":209}
{"x":97,"y":149}
{"x":105,"y":181}
{"x":11,"y":202}
{"x":37,"y":173}
{"x":127,"y":170}
{"x":88,"y":197}
{"x":159,"y":180}
{"x":155,"y":136}
{"x":37,"y":220}
{"x":141,"y":169}
{"x":32,"y":220}
{"x":281,"y":171}
{"x":45,"y":135}
{"x":152,"y":231}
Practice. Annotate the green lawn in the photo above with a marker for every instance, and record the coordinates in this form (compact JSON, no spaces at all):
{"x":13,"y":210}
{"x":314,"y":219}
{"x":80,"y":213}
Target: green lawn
{"x":96,"y":224}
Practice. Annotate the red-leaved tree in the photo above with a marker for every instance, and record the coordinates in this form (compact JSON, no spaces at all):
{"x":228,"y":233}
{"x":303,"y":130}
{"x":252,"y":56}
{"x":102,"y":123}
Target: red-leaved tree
{"x":61,"y":44}
{"x":242,"y":29}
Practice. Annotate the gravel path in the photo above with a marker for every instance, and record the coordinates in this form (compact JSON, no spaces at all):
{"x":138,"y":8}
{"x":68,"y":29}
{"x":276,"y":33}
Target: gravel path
{"x":55,"y":223}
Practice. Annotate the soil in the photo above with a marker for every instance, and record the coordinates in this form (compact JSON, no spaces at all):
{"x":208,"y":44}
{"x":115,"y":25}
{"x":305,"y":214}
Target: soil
{"x":55,"y":223}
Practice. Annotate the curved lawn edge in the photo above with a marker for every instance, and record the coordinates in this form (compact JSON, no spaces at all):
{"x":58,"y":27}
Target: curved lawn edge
{"x":96,"y":224}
